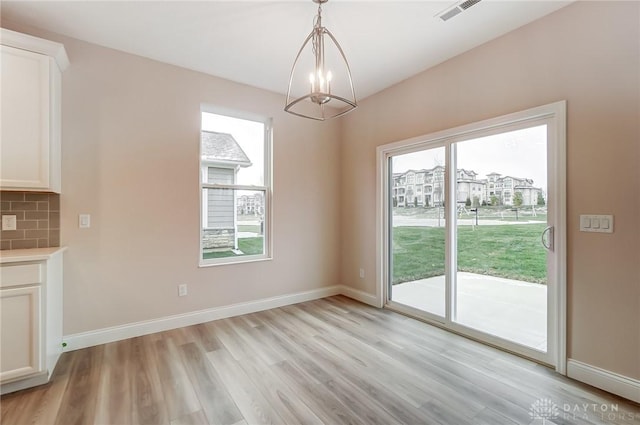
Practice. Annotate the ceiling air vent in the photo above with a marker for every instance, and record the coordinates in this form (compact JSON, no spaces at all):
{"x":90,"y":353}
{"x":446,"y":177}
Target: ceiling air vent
{"x":467,"y":4}
{"x":457,"y":9}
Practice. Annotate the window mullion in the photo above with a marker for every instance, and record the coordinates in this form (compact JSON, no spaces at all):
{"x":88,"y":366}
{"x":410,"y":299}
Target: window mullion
{"x":233,"y":187}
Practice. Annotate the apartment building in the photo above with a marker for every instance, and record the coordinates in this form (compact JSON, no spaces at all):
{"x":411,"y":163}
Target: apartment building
{"x":425,"y":188}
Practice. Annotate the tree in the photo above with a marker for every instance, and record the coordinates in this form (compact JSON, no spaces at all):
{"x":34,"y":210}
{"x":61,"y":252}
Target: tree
{"x":467,"y":202}
{"x":494,"y":200}
{"x":437,"y":193}
{"x":540,"y":199}
{"x":518,"y":199}
{"x":415,"y":202}
{"x":408,"y":197}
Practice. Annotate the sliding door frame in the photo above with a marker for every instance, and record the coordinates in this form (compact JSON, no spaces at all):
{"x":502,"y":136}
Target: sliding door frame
{"x":554,"y":116}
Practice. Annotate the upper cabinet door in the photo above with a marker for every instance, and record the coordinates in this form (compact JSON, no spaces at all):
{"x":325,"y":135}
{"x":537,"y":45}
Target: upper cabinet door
{"x":30,"y":122}
{"x":26,"y":120}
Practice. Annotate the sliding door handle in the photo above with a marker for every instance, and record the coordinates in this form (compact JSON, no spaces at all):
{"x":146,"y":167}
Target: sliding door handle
{"x":547,"y":238}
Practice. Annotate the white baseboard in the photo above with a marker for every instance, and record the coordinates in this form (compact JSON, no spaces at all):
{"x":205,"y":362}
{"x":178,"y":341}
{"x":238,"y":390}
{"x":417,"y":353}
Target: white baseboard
{"x":358,"y":295}
{"x":612,"y":382}
{"x":21,"y":384}
{"x":131,"y":330}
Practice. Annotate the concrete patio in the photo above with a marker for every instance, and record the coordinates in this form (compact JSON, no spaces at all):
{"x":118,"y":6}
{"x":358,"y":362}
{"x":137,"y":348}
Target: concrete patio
{"x":510,"y":309}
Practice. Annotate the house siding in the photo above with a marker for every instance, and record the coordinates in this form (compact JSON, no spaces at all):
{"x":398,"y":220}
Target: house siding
{"x":220,"y":231}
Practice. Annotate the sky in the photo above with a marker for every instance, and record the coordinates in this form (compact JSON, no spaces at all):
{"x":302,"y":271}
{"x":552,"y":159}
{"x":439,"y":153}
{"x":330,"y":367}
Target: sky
{"x":250,"y":137}
{"x":521,"y":153}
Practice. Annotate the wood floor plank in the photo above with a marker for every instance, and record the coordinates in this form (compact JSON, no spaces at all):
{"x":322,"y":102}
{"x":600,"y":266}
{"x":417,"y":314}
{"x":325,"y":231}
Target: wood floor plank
{"x":254,"y":408}
{"x":179,"y":395}
{"x":287,"y":403}
{"x":205,"y":335}
{"x":328,"y":361}
{"x":491,"y":417}
{"x":114,"y":404}
{"x":375,"y":387}
{"x":438,"y":413}
{"x":148,"y":403}
{"x":230,"y":340}
{"x":80,"y":398}
{"x":23,"y":411}
{"x":320,"y":400}
{"x":251,"y":338}
{"x":305,"y":323}
{"x":214,"y":397}
{"x":193,"y":418}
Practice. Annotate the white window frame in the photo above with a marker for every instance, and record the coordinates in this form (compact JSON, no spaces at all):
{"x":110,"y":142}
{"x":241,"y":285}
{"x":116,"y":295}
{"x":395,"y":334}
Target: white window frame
{"x":266,"y":188}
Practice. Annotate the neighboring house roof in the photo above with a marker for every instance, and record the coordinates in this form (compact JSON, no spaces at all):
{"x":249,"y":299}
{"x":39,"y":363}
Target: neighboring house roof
{"x":222,"y":147}
{"x":470,"y":172}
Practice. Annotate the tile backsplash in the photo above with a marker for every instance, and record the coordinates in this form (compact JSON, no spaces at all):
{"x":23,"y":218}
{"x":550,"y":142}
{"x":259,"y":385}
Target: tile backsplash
{"x":37,"y":219}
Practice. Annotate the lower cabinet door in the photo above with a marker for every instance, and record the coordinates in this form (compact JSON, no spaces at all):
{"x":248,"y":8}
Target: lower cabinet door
{"x":20,"y":332}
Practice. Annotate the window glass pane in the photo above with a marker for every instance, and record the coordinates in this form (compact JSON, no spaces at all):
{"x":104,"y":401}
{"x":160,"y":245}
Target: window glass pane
{"x":501,"y":280}
{"x":233,"y":223}
{"x":235,"y":144}
{"x":418,"y":230}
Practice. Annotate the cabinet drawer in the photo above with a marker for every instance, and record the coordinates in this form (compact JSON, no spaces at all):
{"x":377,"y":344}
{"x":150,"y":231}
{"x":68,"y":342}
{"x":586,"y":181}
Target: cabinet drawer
{"x":20,"y":274}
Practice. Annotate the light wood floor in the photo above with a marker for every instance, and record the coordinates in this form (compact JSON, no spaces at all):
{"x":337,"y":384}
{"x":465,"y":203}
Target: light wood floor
{"x":331,"y":361}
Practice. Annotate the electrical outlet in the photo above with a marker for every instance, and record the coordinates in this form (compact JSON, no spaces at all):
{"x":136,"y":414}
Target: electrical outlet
{"x":182,"y":290}
{"x":361,"y":273}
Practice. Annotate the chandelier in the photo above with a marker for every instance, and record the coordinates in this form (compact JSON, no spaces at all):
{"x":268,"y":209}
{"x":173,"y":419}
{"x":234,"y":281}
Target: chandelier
{"x":320,"y":85}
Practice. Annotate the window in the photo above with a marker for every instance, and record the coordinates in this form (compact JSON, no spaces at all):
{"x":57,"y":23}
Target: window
{"x":235,"y":183}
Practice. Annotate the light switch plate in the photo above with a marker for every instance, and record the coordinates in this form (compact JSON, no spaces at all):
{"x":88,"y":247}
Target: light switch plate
{"x":596,"y":223}
{"x":84,"y":221}
{"x":9,"y":222}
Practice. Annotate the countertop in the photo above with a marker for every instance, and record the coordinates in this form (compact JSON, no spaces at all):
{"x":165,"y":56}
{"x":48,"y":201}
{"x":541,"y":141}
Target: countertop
{"x":34,"y":254}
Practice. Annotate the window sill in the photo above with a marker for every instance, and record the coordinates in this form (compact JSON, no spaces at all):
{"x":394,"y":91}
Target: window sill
{"x":228,"y":262}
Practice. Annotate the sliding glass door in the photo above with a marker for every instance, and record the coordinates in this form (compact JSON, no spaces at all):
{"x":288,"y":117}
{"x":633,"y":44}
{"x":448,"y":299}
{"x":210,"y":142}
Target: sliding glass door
{"x":471,"y":220}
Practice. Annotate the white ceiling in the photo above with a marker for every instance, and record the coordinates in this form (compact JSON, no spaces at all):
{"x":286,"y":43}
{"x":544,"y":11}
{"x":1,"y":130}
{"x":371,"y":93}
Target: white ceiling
{"x":255,"y":42}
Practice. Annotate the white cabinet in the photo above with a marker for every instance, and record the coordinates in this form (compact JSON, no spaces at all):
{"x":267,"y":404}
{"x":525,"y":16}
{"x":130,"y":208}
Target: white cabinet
{"x":30,"y":113}
{"x":21,"y":329}
{"x":30,"y":317}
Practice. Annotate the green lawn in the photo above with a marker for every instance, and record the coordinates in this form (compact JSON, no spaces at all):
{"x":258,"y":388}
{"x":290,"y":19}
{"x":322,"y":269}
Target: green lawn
{"x":509,"y":251}
{"x":248,"y":246}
